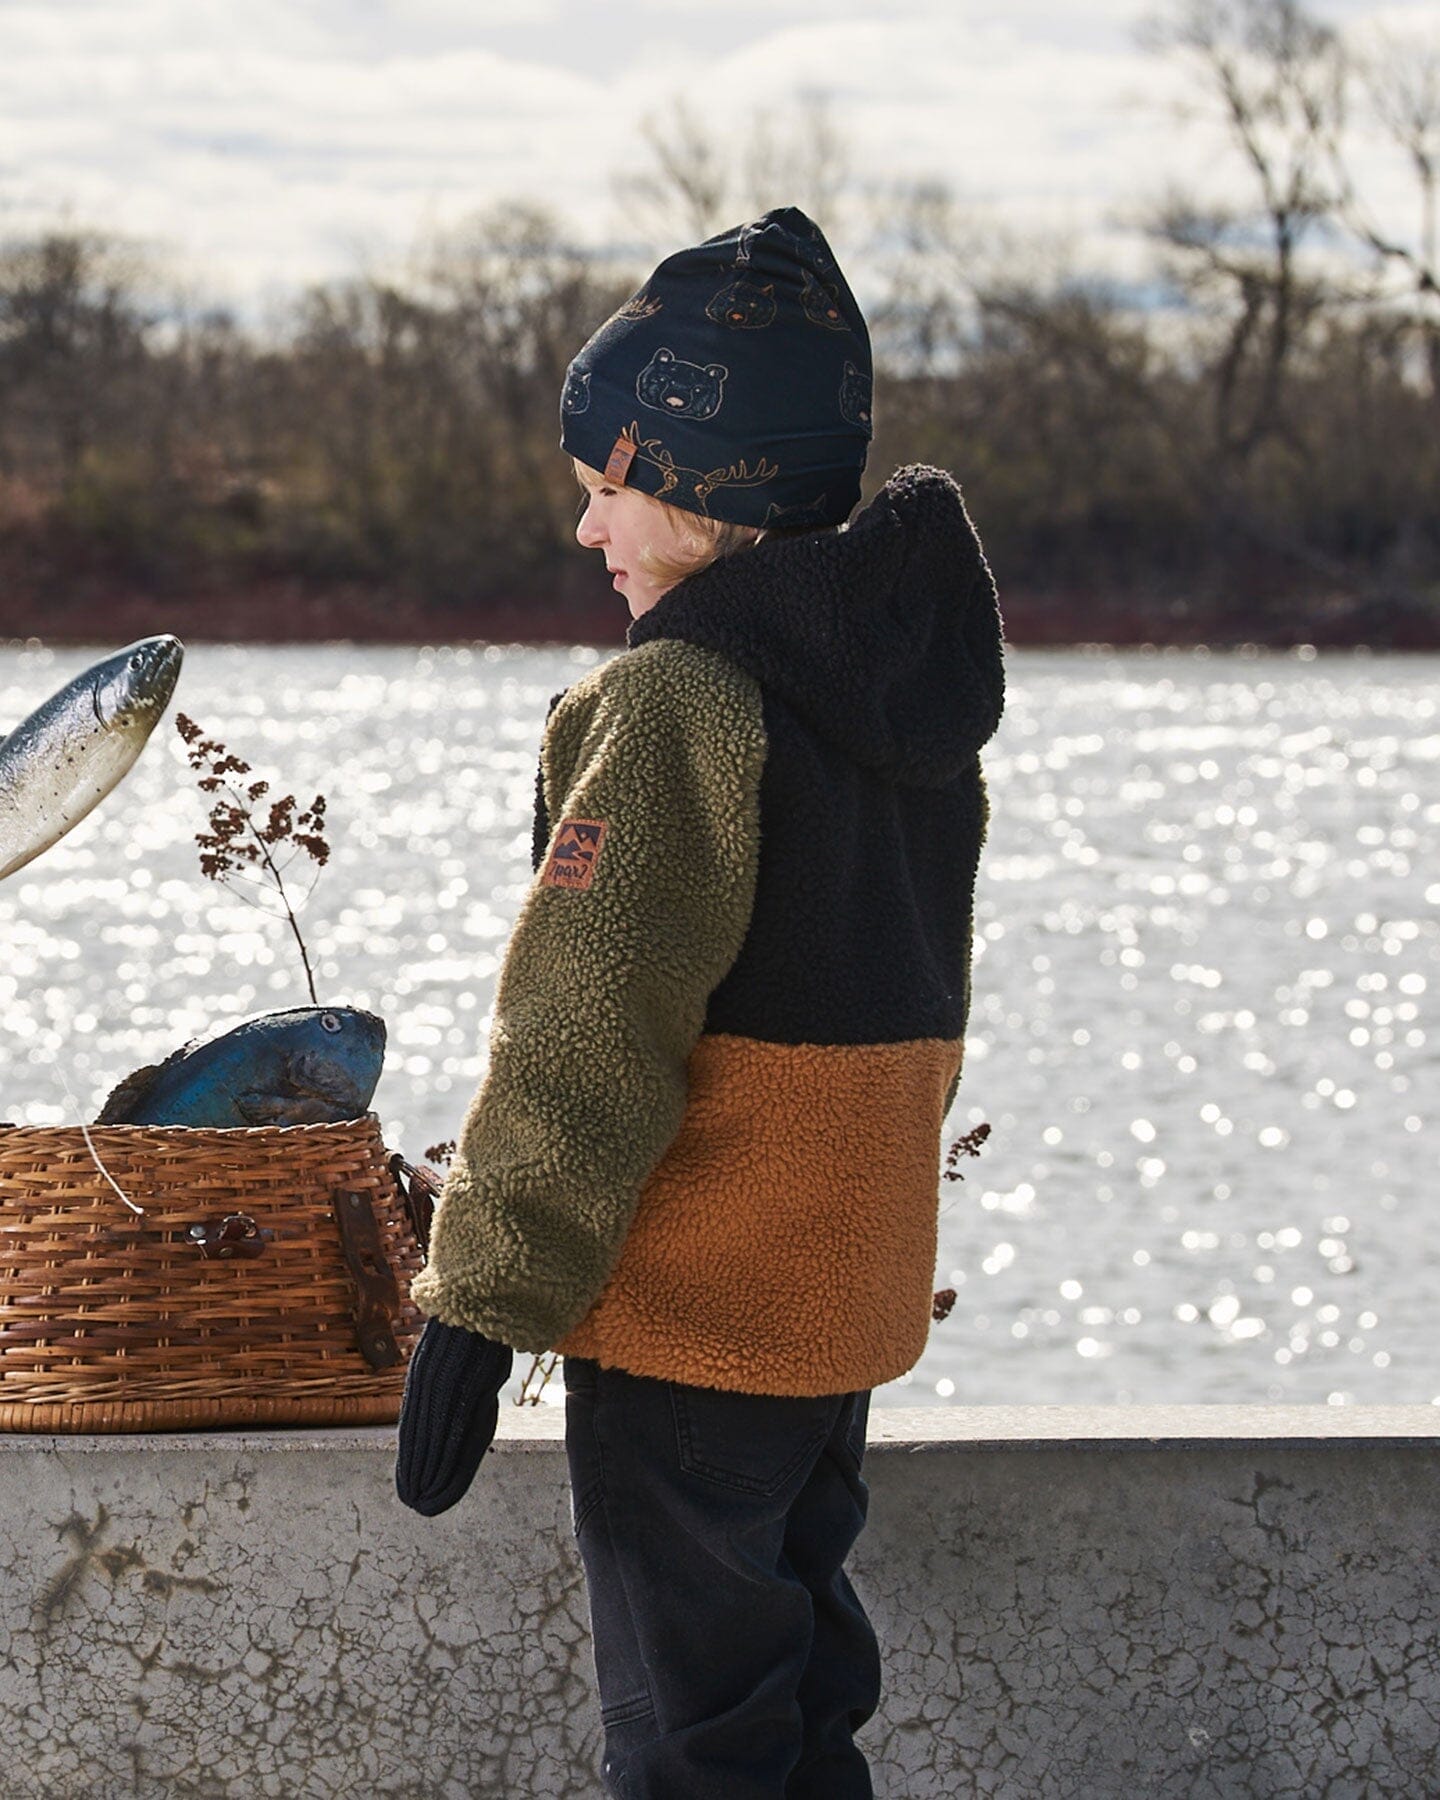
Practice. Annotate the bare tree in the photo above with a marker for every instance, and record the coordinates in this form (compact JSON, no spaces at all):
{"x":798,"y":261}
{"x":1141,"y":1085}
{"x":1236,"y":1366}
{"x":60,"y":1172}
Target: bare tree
{"x":1401,"y":82}
{"x":693,"y":182}
{"x":932,"y":258}
{"x":1277,"y":75}
{"x":519,"y":297}
{"x":73,"y":333}
{"x":1404,"y":85}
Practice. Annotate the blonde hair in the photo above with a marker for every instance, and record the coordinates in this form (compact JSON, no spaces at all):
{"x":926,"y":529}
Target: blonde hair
{"x":705,"y":540}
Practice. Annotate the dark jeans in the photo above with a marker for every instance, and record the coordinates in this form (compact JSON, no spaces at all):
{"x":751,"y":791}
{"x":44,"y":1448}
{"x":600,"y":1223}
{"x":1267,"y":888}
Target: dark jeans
{"x":735,"y":1661}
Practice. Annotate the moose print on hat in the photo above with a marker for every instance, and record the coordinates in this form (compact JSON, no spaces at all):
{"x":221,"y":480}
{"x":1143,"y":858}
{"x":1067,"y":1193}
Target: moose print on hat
{"x":745,"y":237}
{"x":576,"y":398}
{"x":670,"y":385}
{"x":811,"y":513}
{"x":641,"y":306}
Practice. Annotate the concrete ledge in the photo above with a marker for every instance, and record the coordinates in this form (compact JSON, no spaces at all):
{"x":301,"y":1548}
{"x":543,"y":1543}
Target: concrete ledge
{"x":525,"y":1429}
{"x":1182,"y":1603}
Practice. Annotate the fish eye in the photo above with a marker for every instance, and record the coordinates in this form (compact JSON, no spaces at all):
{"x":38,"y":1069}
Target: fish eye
{"x":328,"y":1022}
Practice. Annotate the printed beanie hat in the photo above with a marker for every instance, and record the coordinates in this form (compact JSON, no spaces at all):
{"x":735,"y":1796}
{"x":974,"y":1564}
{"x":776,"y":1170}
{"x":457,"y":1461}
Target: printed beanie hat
{"x":736,"y":383}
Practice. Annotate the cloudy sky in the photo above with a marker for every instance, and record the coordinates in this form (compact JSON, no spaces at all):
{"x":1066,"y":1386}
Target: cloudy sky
{"x":262,"y":143}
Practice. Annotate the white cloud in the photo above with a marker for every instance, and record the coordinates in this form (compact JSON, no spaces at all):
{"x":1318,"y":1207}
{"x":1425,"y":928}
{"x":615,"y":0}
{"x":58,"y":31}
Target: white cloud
{"x":268,"y":143}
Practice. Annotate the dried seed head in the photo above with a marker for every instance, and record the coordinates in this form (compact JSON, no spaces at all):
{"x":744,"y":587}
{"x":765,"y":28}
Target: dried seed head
{"x":235,"y":838}
{"x":968,"y":1145}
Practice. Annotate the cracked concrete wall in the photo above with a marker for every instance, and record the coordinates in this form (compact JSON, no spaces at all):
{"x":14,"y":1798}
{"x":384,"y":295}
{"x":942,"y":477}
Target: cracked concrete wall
{"x":1178,"y":1603}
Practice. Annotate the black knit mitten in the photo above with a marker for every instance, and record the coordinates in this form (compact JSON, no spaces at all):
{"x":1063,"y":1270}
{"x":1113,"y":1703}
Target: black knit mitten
{"x":448,"y":1415}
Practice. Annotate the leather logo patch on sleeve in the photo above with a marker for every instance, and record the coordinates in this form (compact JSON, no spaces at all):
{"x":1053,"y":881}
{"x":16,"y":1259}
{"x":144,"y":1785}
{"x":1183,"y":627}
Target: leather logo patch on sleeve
{"x":572,"y":862}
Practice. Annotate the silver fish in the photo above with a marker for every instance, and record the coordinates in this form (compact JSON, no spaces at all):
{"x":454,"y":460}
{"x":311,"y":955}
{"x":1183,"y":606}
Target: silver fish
{"x":61,"y":761}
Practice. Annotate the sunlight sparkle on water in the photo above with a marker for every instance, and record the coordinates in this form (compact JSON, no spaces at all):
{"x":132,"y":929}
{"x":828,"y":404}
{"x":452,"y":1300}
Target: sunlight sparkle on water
{"x":1202,"y":1027}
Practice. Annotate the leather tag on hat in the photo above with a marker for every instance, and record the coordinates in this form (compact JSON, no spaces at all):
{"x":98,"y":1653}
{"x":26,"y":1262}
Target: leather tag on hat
{"x":621,"y":457}
{"x":572,"y":862}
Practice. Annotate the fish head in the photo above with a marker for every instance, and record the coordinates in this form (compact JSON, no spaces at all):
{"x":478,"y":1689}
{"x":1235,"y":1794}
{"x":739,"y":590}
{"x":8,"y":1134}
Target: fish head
{"x":332,"y":1054}
{"x":133,"y":687}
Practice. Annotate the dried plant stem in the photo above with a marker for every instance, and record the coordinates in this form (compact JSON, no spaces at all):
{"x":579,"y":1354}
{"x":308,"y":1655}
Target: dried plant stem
{"x":235,"y":839}
{"x":285,"y":901}
{"x":971,"y":1144}
{"x":540,"y":1371}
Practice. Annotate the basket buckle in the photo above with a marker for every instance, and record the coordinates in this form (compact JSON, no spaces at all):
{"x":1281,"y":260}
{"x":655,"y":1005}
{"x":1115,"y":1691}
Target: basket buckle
{"x":236,"y":1234}
{"x":419,"y":1188}
{"x":377,"y":1293}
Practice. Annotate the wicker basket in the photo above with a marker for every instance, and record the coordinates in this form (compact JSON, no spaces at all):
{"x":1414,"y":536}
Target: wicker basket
{"x":265,"y":1282}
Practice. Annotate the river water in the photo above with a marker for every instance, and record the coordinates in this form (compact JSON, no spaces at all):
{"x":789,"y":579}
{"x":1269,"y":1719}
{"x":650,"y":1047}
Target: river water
{"x":1203,"y":1034}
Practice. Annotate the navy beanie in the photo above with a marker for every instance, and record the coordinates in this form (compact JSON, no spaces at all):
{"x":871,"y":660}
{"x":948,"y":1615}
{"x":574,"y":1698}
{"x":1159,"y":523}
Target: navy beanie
{"x":735,"y":384}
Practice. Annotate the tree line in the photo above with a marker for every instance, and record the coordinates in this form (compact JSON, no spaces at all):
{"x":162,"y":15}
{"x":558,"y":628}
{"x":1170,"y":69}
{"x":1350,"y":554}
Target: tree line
{"x":1242,"y":445}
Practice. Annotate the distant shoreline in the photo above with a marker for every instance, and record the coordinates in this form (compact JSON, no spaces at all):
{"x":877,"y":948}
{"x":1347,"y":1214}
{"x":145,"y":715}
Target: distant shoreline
{"x":285,"y":611}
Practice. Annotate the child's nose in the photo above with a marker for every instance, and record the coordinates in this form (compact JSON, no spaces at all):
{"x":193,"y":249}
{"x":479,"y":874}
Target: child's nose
{"x":589,"y":531}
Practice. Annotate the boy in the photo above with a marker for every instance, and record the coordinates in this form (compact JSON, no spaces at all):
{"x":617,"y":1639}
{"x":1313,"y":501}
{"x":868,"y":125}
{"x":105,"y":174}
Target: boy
{"x":704,"y":1160}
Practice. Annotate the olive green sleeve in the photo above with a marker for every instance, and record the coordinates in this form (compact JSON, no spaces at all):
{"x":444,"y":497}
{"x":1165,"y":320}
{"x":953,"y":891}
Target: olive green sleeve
{"x":603,"y":993}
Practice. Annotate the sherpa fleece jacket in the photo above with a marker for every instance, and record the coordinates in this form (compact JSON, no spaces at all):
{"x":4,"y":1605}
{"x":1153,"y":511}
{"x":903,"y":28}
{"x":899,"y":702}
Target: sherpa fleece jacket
{"x":731,"y":1016}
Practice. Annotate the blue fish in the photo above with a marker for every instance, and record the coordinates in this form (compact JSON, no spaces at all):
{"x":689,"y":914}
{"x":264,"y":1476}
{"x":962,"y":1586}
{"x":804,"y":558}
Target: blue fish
{"x":311,"y":1065}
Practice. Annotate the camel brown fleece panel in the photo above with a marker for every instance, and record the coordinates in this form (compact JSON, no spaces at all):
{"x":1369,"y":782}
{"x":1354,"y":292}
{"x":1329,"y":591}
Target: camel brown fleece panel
{"x":786,"y":1242}
{"x":652,"y":770}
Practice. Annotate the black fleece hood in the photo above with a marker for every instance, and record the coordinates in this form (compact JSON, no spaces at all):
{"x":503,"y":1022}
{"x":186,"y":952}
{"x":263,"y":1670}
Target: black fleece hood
{"x":884,"y":637}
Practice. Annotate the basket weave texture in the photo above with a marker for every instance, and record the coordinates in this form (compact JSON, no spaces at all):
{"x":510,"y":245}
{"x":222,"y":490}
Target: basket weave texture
{"x":111,"y":1321}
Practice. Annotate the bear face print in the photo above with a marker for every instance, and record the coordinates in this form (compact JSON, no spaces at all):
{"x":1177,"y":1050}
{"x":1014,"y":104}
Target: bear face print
{"x":576,"y":398}
{"x":822,"y":304}
{"x":819,"y":250}
{"x":669,"y":384}
{"x":743,"y":305}
{"x":855,"y":396}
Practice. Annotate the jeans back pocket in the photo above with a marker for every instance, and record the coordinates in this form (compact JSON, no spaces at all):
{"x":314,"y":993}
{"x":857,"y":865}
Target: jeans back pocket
{"x":751,"y":1443}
